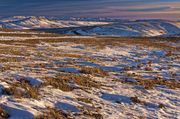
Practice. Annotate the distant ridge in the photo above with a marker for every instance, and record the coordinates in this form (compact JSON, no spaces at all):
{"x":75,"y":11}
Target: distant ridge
{"x":89,"y":26}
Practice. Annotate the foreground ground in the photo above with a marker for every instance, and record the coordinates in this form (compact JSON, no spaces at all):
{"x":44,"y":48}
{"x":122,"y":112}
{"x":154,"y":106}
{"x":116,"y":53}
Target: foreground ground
{"x":50,"y":76}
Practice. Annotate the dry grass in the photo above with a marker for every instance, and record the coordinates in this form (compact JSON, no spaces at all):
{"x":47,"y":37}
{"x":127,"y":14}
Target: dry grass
{"x":93,"y":71}
{"x":64,"y":81}
{"x":91,"y":113}
{"x":53,"y":113}
{"x":151,"y":83}
{"x":27,"y":35}
{"x":148,"y":68}
{"x":5,"y":68}
{"x":161,"y":105}
{"x":14,"y":51}
{"x":78,"y":79}
{"x":58,"y":83}
{"x":23,"y":89}
{"x":3,"y":114}
{"x":10,"y":59}
{"x":86,"y":100}
{"x":135,"y":100}
{"x":169,"y":53}
{"x":104,"y":41}
{"x":67,"y":55}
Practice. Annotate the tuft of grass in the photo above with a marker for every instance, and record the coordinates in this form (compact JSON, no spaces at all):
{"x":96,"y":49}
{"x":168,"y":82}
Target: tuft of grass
{"x":63,"y":81}
{"x":92,"y":113}
{"x":3,"y":114}
{"x":53,"y":113}
{"x":58,"y":83}
{"x":93,"y":71}
{"x":136,"y":100}
{"x":67,"y":55}
{"x":169,"y":53}
{"x":14,"y":51}
{"x":161,"y":105}
{"x":151,"y":83}
{"x":148,"y":68}
{"x":23,"y":89}
{"x":86,"y":100}
{"x":5,"y":68}
{"x":10,"y":59}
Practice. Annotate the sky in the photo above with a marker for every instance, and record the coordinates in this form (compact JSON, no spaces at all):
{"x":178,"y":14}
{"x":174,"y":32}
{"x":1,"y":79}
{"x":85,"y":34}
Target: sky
{"x":92,"y":8}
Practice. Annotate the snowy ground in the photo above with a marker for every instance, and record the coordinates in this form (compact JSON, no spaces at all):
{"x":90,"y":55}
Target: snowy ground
{"x":89,"y":77}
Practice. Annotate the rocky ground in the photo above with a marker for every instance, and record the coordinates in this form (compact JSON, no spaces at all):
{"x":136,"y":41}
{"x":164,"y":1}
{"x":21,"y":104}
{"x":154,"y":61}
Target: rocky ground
{"x":67,"y":77}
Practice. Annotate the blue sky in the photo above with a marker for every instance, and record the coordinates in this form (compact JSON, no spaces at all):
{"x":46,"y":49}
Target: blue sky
{"x":93,"y":8}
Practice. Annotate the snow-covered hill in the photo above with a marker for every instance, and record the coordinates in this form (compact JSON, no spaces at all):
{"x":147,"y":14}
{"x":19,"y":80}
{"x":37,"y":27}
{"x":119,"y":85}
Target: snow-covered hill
{"x":132,"y":28}
{"x":95,"y":27}
{"x":33,"y":22}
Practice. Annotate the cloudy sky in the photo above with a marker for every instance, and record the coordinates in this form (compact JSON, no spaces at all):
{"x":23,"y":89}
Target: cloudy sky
{"x":93,"y":8}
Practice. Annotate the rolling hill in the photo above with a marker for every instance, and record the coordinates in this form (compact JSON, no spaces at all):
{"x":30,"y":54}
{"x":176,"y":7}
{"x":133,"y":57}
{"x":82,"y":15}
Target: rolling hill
{"x":94,"y":27}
